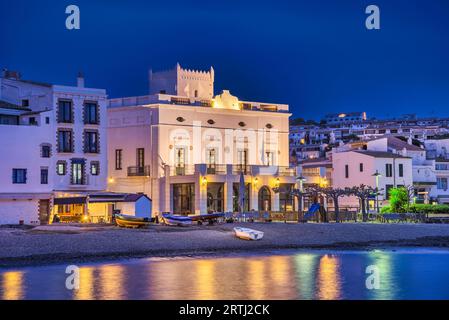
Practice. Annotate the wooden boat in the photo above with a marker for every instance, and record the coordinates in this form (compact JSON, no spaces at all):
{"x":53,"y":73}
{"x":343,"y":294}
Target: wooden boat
{"x":127,"y":221}
{"x":211,"y":217}
{"x":173,"y":220}
{"x":248,"y":234}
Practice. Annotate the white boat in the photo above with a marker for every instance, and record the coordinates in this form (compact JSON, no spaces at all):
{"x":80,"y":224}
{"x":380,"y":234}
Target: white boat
{"x":248,"y":234}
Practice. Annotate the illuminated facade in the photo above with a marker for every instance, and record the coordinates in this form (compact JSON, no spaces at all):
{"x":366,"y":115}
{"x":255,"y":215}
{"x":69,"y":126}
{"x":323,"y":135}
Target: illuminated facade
{"x":185,"y":148}
{"x":54,"y":143}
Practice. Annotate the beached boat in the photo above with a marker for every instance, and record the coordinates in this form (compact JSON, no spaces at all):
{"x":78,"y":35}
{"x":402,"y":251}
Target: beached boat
{"x":248,"y":234}
{"x":173,"y":220}
{"x":127,"y":221}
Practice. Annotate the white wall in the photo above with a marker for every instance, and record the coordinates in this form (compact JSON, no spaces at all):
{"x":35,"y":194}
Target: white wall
{"x":13,"y":211}
{"x":140,"y":208}
{"x":22,"y":150}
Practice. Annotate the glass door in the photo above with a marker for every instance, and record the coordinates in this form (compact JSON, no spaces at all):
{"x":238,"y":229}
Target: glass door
{"x":180,"y":161}
{"x":242,"y":160}
{"x":211,"y":161}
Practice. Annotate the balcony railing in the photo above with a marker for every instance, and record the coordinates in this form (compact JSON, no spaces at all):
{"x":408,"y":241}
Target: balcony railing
{"x":286,"y":171}
{"x":238,"y":168}
{"x":182,"y":170}
{"x":216,"y":169}
{"x":138,"y":171}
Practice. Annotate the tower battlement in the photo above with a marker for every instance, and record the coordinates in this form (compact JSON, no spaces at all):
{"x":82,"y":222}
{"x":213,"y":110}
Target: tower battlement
{"x":198,"y":84}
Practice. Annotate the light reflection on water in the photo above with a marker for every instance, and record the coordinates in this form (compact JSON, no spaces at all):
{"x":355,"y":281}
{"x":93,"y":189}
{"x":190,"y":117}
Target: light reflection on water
{"x":415,"y":274}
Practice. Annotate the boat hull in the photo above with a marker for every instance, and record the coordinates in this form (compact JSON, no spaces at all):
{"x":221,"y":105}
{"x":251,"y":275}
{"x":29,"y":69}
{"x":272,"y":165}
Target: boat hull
{"x":248,"y":234}
{"x":172,"y":220}
{"x":126,"y":221}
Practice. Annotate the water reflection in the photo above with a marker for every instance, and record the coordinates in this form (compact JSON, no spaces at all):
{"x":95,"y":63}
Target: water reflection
{"x":304,"y":275}
{"x":328,"y":278}
{"x":13,"y":286}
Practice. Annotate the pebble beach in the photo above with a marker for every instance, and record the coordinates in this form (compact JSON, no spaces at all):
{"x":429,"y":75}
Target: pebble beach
{"x":71,"y":244}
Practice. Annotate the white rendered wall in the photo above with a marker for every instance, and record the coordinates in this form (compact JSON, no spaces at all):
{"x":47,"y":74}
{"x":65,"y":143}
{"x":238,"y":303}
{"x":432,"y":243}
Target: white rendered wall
{"x":13,"y":211}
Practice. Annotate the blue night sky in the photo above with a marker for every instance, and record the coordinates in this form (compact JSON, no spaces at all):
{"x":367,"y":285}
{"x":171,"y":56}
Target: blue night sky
{"x":316,"y":56}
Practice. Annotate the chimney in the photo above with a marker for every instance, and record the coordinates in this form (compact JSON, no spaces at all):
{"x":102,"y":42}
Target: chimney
{"x":80,"y":80}
{"x":9,"y":74}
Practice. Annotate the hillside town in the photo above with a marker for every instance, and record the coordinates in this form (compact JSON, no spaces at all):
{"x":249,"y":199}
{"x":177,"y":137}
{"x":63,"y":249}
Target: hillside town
{"x":347,"y":149}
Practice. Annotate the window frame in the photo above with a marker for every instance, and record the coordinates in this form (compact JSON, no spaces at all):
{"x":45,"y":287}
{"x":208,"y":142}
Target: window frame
{"x":15,"y":176}
{"x":44,"y":177}
{"x":67,"y":115}
{"x":67,"y":142}
{"x":118,"y":159}
{"x":89,"y":146}
{"x":388,"y":170}
{"x":64,"y":167}
{"x":87,"y":112}
{"x":97,"y":165}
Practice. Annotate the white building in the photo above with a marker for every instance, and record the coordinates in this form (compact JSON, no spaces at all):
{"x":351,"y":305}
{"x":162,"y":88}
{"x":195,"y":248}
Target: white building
{"x":186,"y":148}
{"x":54,"y":141}
{"x":438,"y":152}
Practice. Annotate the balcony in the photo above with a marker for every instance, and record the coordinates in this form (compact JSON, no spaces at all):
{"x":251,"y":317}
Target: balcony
{"x":222,"y":169}
{"x":287,"y":171}
{"x":182,"y":170}
{"x":241,"y":168}
{"x":216,"y":169}
{"x":138,"y":171}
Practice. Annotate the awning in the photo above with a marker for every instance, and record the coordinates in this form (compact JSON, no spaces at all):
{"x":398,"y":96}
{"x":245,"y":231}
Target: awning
{"x":70,"y":200}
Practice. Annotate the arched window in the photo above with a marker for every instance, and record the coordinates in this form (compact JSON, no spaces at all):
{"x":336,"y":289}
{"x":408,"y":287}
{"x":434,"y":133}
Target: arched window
{"x":264,"y":199}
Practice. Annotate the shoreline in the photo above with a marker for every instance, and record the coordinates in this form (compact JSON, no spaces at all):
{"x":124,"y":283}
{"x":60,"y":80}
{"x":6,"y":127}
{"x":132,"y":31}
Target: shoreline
{"x":111,"y":244}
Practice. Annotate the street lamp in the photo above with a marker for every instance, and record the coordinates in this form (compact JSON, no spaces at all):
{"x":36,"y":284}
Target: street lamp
{"x":377,"y":175}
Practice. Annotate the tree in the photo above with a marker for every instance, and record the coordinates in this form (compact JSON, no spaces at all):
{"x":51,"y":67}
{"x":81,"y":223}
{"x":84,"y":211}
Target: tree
{"x":364,"y":192}
{"x":399,"y":200}
{"x":300,"y":195}
{"x":410,"y":194}
{"x":335,"y":194}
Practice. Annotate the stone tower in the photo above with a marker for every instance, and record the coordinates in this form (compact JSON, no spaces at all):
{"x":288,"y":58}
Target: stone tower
{"x":193,"y":84}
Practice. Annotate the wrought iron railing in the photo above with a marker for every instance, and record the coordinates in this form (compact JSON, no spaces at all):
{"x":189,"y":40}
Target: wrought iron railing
{"x":137,"y":171}
{"x":216,"y":169}
{"x":184,"y":170}
{"x":238,"y":168}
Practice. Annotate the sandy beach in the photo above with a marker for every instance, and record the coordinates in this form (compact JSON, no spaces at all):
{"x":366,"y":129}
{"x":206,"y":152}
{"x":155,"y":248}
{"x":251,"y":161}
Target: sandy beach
{"x":63,"y":244}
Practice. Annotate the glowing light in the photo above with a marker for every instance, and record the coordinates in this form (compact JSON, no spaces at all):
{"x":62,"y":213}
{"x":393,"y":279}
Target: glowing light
{"x":13,"y":285}
{"x":111,"y":180}
{"x":342,"y":115}
{"x":204,"y":181}
{"x":329,"y":283}
{"x":86,"y":290}
{"x":278,"y":182}
{"x":256,"y":180}
{"x":111,"y":280}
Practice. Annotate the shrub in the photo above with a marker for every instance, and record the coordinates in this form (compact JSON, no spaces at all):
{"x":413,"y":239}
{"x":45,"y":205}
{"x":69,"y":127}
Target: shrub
{"x":399,"y":200}
{"x":386,"y":209}
{"x":429,"y":208}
